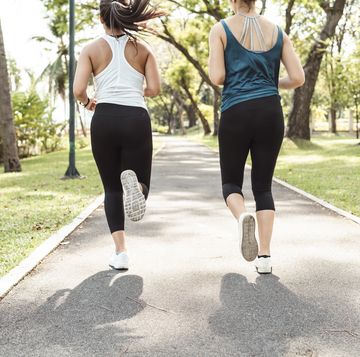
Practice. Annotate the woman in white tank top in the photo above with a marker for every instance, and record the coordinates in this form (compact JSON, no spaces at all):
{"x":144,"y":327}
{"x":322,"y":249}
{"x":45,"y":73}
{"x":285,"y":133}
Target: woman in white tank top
{"x":125,"y":71}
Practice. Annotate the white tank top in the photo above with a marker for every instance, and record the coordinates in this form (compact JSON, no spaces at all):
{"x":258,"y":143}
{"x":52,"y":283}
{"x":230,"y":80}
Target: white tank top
{"x":120,"y":83}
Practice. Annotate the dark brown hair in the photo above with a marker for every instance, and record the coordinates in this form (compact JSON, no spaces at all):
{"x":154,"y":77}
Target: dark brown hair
{"x":248,"y":2}
{"x":125,"y":15}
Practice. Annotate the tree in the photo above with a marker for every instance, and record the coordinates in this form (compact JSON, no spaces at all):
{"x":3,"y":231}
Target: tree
{"x":299,"y":118}
{"x":192,"y":41}
{"x":7,"y":129}
{"x":182,"y":78}
{"x":334,"y":66}
{"x":202,"y":15}
{"x":57,"y":71}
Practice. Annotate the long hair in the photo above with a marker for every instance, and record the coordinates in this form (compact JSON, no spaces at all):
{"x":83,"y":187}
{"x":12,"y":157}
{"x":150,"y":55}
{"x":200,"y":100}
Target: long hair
{"x":127,"y":15}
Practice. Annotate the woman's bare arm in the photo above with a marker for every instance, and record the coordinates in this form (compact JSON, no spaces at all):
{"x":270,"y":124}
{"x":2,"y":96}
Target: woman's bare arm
{"x":294,"y":69}
{"x":217,"y":70}
{"x":152,"y":76}
{"x":82,"y":75}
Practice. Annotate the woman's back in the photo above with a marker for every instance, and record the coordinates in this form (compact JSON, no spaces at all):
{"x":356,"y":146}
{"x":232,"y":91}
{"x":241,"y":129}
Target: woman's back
{"x":119,"y":68}
{"x":252,"y":53}
{"x":255,"y":33}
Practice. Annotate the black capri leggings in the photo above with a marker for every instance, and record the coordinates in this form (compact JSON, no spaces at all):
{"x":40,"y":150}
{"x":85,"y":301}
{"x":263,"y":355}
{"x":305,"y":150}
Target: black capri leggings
{"x":257,"y":126}
{"x":121,"y":139}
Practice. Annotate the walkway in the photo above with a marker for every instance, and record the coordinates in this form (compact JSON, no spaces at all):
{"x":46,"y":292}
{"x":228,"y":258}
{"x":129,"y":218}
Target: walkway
{"x":188,"y":292}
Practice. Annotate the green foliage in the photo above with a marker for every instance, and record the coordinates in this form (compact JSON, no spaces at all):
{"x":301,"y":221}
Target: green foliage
{"x":207,"y":110}
{"x":41,"y":202}
{"x":14,"y":74}
{"x":34,"y":126}
{"x":58,"y":19}
{"x":161,"y":129}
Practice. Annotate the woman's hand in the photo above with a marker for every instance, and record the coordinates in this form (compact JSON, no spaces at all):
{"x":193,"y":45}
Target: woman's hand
{"x":92,"y":105}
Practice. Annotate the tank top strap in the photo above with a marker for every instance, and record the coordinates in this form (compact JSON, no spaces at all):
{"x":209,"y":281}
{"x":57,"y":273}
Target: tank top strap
{"x":227,"y":30}
{"x":280,"y":38}
{"x":117,"y":45}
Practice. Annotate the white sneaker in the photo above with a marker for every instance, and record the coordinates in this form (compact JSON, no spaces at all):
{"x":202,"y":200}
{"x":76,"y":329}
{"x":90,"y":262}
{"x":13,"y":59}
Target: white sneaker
{"x":134,"y":200}
{"x":119,"y":261}
{"x":247,"y":239}
{"x":263,"y":265}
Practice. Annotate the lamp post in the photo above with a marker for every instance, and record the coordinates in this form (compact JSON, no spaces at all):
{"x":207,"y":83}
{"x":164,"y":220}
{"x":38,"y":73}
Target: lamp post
{"x":71,"y":172}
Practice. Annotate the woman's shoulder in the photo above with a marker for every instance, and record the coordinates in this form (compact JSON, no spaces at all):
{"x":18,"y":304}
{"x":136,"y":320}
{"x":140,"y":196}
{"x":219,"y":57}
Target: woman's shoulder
{"x":94,"y":45}
{"x":141,"y":47}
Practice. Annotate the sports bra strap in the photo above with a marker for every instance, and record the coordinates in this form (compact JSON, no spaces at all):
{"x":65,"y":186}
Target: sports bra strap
{"x":252,"y":28}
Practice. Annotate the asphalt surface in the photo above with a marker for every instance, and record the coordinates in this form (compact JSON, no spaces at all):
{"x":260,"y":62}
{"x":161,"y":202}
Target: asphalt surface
{"x":188,"y":291}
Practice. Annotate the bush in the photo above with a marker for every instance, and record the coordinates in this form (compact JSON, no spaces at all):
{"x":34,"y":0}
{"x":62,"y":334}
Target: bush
{"x":36,"y":132}
{"x":161,"y":129}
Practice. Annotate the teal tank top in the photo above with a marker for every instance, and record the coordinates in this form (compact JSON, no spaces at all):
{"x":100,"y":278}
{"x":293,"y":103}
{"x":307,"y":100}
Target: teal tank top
{"x":249,"y":74}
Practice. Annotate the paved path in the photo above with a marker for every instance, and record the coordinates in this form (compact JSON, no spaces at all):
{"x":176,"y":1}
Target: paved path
{"x":185,"y":260}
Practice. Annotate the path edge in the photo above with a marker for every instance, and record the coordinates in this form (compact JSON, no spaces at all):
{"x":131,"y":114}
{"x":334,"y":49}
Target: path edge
{"x":15,"y":275}
{"x":27,"y":265}
{"x":305,"y":194}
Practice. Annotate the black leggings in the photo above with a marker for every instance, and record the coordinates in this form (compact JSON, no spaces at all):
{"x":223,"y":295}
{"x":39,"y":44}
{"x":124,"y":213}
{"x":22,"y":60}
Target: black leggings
{"x":121,"y":139}
{"x":257,"y":126}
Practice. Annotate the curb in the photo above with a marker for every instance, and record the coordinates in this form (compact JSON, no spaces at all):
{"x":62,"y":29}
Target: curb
{"x":14,"y":276}
{"x":321,"y":202}
{"x":309,"y":196}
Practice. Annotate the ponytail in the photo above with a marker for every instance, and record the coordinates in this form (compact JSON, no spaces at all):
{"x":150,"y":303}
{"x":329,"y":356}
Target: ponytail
{"x":125,"y":15}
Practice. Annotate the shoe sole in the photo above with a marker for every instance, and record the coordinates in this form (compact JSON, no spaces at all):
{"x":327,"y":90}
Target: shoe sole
{"x":134,"y":200}
{"x":112,"y":267}
{"x":249,"y":245}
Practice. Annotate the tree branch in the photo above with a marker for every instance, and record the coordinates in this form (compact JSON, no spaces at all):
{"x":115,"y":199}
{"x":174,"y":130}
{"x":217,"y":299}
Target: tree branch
{"x":263,"y":7}
{"x":168,"y":37}
{"x":289,"y":16}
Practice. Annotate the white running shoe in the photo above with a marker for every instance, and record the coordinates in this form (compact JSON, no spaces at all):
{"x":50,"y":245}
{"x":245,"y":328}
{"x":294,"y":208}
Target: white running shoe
{"x":263,"y":265}
{"x":134,"y":200}
{"x":248,"y":243}
{"x":120,"y":261}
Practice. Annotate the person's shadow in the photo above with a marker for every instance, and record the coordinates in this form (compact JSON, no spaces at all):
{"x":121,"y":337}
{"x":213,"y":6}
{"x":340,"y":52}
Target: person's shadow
{"x":261,"y":317}
{"x":90,"y":319}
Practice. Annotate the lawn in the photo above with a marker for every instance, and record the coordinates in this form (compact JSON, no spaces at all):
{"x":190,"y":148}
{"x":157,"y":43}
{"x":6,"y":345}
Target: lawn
{"x":327,"y":167}
{"x":36,"y":202}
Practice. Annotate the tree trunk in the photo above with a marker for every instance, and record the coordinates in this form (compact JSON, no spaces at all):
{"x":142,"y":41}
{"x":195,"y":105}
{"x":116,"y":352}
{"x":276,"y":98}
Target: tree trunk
{"x":191,"y":115}
{"x":351,"y":122}
{"x":289,"y":16}
{"x":196,"y":109}
{"x":263,"y":7}
{"x":333,"y":120}
{"x":298,"y":124}
{"x":10,"y":151}
{"x":216,"y":112}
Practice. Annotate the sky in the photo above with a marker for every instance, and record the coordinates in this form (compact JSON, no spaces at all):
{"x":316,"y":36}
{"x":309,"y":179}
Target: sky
{"x":21,"y":20}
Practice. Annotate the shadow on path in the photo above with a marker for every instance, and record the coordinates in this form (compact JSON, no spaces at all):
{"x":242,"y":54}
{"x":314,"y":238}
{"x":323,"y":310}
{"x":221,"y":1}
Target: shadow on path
{"x":262,"y":316}
{"x":86,"y":320}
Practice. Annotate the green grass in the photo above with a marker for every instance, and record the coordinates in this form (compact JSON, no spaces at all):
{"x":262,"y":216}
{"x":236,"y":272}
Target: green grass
{"x":327,"y":167}
{"x":36,"y":203}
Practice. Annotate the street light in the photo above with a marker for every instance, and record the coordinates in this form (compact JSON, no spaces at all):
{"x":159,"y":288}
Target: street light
{"x":71,"y":172}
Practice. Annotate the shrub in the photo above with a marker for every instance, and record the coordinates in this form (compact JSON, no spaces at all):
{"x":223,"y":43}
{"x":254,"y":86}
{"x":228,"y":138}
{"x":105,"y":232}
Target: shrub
{"x":35,"y":129}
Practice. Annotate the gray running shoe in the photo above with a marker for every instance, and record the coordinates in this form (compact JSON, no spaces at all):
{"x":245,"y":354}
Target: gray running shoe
{"x":134,"y":200}
{"x":248,"y":244}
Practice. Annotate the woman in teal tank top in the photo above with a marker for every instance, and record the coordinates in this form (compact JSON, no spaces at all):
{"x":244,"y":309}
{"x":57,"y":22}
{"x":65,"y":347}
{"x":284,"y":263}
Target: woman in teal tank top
{"x":245,"y":54}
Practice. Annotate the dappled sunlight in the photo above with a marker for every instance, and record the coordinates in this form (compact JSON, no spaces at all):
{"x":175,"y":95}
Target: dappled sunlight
{"x":290,"y":159}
